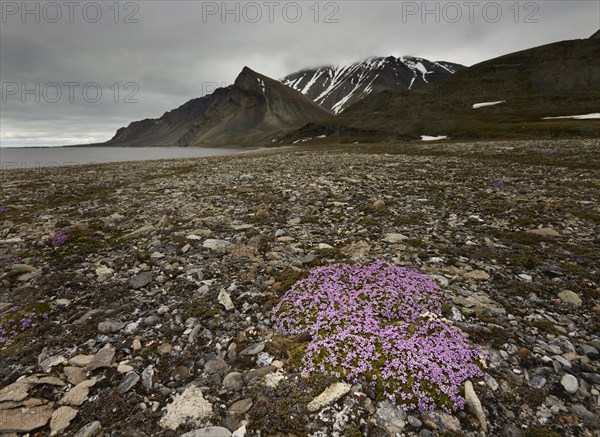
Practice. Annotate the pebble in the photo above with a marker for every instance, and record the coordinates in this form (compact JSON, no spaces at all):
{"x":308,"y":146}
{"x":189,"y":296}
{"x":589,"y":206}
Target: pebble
{"x":569,"y":383}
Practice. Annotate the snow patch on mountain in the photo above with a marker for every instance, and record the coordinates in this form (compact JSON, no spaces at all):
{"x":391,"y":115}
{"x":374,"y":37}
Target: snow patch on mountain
{"x":337,"y":87}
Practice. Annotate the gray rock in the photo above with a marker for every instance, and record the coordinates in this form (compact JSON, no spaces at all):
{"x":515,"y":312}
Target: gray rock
{"x":589,"y":418}
{"x":110,"y":326}
{"x":253,"y":349}
{"x":511,"y":431}
{"x":444,"y":421}
{"x":215,"y":244}
{"x":563,"y":361}
{"x":103,"y":358}
{"x":590,"y":351}
{"x":391,"y":418}
{"x":537,"y":381}
{"x":151,"y":320}
{"x":216,"y":366}
{"x":234,"y":381}
{"x":140,"y":280}
{"x":147,"y":377}
{"x":413,"y":421}
{"x":131,"y":379}
{"x":241,"y":406}
{"x":210,"y":431}
{"x":92,"y":429}
{"x":258,"y":373}
{"x":594,"y":378}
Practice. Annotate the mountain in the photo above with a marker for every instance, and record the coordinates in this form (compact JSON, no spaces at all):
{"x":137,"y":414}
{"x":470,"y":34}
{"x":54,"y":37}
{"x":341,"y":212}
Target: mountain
{"x":336,"y":88}
{"x":254,"y":108}
{"x":558,"y":79}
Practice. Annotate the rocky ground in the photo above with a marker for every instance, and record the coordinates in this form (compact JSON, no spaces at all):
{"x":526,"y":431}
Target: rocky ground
{"x":136,"y":297}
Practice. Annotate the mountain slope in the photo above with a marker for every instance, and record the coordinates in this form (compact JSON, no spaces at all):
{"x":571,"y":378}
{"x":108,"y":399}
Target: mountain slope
{"x":253,"y":108}
{"x":552,"y":80}
{"x":337,"y":88}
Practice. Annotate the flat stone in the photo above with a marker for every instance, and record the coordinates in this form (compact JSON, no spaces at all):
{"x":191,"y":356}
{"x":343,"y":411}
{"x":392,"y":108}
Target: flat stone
{"x":569,"y":383}
{"x":241,"y":406}
{"x":210,"y":431}
{"x":140,"y":231}
{"x":148,"y":377}
{"x":394,"y":238}
{"x":56,"y":360}
{"x":258,"y":373}
{"x":92,"y":429}
{"x":189,"y":409}
{"x":61,"y":419}
{"x":25,"y":419}
{"x":216,"y":366}
{"x":331,"y":394}
{"x":124,"y":368}
{"x":74,"y":375}
{"x":215,"y":244}
{"x":110,"y":326}
{"x":357,"y":249}
{"x":164,"y":348}
{"x":140,"y":280}
{"x":569,"y":297}
{"x":81,"y":360}
{"x":103,"y":358}
{"x":544,"y":232}
{"x":254,"y":349}
{"x":78,"y":394}
{"x":477,"y":275}
{"x":18,"y":391}
{"x":130,"y":380}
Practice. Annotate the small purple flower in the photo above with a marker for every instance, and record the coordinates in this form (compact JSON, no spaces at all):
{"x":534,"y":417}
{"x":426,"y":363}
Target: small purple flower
{"x":4,"y":208}
{"x":14,"y":260}
{"x":18,"y":319}
{"x":60,"y":238}
{"x":498,"y":184}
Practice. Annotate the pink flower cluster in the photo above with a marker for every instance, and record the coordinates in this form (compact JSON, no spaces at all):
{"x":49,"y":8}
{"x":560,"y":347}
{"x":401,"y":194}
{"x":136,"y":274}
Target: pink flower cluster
{"x":17,"y":319}
{"x":377,"y":324}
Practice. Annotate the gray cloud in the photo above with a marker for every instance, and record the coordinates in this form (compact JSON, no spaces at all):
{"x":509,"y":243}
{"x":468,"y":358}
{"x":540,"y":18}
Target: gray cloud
{"x":173,"y":55}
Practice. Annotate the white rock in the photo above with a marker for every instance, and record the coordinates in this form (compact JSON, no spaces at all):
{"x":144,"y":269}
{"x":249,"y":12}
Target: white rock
{"x":475,"y":405}
{"x":215,"y":244}
{"x":189,"y":408}
{"x":569,"y":383}
{"x":394,"y":238}
{"x":225,"y":300}
{"x":331,"y":394}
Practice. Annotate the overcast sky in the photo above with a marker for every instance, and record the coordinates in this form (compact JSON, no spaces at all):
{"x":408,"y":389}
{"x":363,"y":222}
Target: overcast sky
{"x":159,"y":54}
